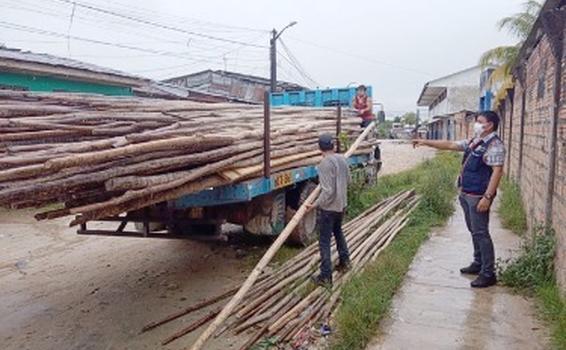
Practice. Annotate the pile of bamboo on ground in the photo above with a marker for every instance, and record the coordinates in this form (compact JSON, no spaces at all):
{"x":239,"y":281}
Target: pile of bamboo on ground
{"x":284,"y":303}
{"x":102,"y":156}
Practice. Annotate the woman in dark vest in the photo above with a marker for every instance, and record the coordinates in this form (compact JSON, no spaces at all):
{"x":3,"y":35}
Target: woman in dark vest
{"x":363,"y":105}
{"x":482,"y":168}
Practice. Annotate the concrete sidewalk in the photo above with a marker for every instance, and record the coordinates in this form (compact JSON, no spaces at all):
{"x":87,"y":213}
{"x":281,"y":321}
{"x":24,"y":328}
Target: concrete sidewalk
{"x":436,"y":308}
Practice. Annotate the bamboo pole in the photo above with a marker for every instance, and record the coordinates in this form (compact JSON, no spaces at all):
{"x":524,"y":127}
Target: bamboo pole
{"x":269,"y":255}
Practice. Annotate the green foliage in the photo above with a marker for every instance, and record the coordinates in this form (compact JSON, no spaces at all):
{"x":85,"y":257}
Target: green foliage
{"x":266,"y":344}
{"x":409,"y":118}
{"x":535,"y":265}
{"x":383,"y":129}
{"x":367,"y":297}
{"x":504,"y":57}
{"x":344,"y":141}
{"x":532,"y":273}
{"x":511,"y":208}
{"x":552,"y":306}
{"x":520,"y":24}
{"x":430,"y":179}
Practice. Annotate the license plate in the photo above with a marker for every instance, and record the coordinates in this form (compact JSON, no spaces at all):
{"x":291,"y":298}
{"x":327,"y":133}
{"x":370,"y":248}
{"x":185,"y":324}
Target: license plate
{"x":283,"y":179}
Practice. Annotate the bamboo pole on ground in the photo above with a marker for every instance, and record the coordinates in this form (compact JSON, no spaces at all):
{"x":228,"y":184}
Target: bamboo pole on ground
{"x":269,"y":255}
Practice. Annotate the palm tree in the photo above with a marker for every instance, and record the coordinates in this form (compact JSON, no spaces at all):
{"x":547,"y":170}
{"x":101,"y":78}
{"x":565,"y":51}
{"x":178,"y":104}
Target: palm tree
{"x":504,"y":57}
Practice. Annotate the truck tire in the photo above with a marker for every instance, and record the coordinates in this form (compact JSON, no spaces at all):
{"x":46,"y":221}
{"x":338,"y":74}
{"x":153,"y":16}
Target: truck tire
{"x":373,"y":167}
{"x":269,"y":216}
{"x":306,"y":231}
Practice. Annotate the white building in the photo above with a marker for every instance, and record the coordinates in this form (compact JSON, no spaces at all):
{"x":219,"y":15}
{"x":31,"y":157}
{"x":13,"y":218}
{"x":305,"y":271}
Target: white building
{"x":448,"y":95}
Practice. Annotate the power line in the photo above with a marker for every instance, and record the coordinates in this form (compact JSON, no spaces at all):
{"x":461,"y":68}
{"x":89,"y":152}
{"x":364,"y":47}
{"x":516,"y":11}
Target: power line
{"x":364,"y":58}
{"x":158,"y":25}
{"x":99,"y":23}
{"x":181,"y":19}
{"x":296,"y":64}
{"x":94,"y":41}
{"x":180,"y":55}
{"x":290,"y":76}
{"x":303,"y":76}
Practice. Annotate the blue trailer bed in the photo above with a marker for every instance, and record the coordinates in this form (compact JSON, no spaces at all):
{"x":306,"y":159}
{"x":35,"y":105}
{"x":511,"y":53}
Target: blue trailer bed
{"x":247,"y":190}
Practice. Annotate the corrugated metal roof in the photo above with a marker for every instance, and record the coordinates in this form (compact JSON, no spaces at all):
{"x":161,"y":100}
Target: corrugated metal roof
{"x":56,"y":61}
{"x":429,"y":94}
{"x":265,"y":81}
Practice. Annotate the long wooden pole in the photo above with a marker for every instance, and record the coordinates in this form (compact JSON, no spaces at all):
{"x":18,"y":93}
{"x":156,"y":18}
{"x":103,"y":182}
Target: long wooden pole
{"x":227,"y":310}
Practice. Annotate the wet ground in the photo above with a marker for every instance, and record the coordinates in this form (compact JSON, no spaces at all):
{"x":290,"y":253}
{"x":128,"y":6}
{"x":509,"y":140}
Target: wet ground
{"x":436,"y":308}
{"x":59,"y":290}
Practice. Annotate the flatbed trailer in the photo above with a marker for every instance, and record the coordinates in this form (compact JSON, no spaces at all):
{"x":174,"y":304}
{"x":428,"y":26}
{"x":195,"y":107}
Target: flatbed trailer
{"x":262,"y":205}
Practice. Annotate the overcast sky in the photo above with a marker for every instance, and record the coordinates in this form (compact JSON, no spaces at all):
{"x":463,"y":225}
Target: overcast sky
{"x":395,"y":46}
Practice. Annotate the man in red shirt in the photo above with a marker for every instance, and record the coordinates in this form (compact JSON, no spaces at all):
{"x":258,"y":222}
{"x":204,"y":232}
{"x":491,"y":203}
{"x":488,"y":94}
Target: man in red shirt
{"x":363,"y":105}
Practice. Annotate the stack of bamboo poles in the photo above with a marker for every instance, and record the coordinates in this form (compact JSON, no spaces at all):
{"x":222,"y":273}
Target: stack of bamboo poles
{"x":101,"y":156}
{"x":284,"y":303}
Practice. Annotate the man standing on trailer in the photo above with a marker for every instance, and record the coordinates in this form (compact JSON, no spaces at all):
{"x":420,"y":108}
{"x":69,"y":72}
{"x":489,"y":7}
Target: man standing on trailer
{"x":334,"y":177}
{"x":364,"y":106}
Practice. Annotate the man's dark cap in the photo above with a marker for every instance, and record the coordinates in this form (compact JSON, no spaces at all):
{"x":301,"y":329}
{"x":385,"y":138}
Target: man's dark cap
{"x":326,"y":142}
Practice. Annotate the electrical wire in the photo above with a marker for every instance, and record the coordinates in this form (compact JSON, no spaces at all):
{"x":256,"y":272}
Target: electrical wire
{"x":296,"y":64}
{"x":364,"y":58}
{"x":28,"y":29}
{"x":158,"y":25}
{"x":98,"y":20}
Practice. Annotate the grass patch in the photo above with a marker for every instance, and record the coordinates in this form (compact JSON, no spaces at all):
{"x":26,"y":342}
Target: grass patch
{"x":552,"y":307}
{"x":511,"y":208}
{"x":532,"y":273}
{"x":285,"y":253}
{"x":533,"y":267}
{"x":367,"y":297}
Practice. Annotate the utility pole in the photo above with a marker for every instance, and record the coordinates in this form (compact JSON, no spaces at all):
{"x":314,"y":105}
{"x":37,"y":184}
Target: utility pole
{"x":273,"y":59}
{"x":273,"y":55}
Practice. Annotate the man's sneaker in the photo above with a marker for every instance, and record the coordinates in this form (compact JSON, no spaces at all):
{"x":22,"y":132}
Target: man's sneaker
{"x":344,"y":267}
{"x":321,"y":281}
{"x":473,"y":269}
{"x":484,"y":282}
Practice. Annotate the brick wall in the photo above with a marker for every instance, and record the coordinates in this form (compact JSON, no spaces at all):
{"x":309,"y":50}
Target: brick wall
{"x":559,"y":204}
{"x":514,"y":148}
{"x":533,"y":176}
{"x":463,"y":125}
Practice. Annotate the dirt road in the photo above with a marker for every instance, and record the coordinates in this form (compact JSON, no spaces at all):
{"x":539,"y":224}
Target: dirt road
{"x":59,"y":290}
{"x":399,"y":155}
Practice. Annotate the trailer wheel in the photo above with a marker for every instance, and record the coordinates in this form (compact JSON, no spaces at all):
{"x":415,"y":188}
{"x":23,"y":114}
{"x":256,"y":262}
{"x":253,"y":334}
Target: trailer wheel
{"x":269,"y":215}
{"x":306,"y":231}
{"x":373,"y":167}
